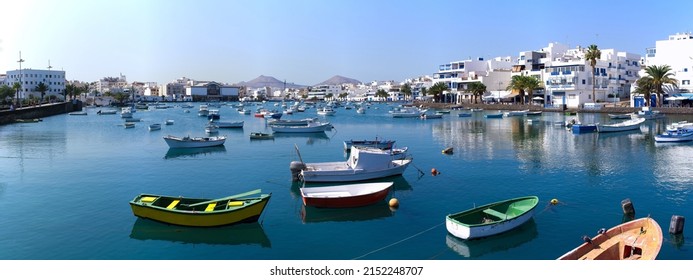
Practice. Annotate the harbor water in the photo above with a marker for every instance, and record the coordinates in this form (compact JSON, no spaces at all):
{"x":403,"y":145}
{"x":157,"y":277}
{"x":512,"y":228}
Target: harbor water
{"x":65,"y":184}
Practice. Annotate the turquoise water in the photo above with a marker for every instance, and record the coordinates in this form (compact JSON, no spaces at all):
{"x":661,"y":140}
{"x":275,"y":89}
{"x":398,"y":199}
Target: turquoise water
{"x":65,"y":184}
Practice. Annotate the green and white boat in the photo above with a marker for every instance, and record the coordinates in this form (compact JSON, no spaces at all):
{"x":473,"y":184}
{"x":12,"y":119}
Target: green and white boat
{"x":491,"y":219}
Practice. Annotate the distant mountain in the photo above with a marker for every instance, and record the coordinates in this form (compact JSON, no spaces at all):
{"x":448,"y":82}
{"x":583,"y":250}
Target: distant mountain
{"x":338,"y":80}
{"x":268,"y":81}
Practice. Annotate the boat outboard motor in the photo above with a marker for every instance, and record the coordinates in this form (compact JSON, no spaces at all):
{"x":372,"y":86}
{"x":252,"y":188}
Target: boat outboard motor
{"x":296,"y":167}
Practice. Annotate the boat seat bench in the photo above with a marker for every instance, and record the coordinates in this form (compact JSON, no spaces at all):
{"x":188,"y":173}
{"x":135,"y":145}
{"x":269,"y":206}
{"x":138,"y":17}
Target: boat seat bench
{"x":173,"y":204}
{"x":495,"y":213}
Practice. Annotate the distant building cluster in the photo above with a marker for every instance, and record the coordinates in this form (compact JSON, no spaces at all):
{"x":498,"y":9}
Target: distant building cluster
{"x":565,"y":75}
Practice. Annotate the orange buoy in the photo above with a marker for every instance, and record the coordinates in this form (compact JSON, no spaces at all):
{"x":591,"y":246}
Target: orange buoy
{"x":434,"y":172}
{"x":394,"y":203}
{"x":554,"y":201}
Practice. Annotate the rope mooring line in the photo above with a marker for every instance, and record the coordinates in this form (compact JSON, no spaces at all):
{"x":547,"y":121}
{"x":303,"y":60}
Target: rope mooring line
{"x":400,"y":241}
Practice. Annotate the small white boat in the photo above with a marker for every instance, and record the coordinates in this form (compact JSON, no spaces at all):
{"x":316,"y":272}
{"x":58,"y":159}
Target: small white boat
{"x":516,"y":113}
{"x":363,"y":164}
{"x":620,"y":116}
{"x":129,"y":125}
{"x":326,"y":111}
{"x":344,"y":196}
{"x":361,"y":110}
{"x":631,"y":124}
{"x":154,"y":126}
{"x":676,"y":132}
{"x":169,"y":122}
{"x":78,"y":113}
{"x":311,"y":126}
{"x":648,"y":114}
{"x":491,"y":219}
{"x":194,"y":142}
{"x":203,"y":111}
{"x":406,"y":112}
{"x":211,"y":128}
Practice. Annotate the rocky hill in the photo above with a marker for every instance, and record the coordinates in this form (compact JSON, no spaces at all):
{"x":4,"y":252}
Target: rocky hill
{"x":268,"y":81}
{"x":338,"y":80}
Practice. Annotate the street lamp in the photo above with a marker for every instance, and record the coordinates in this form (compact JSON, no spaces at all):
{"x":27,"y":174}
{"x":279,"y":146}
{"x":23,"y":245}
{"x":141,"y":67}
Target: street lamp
{"x":499,"y":89}
{"x":21,"y":88}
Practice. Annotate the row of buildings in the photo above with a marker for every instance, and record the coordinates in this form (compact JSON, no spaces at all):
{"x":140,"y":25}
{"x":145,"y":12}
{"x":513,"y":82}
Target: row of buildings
{"x":564,"y":74}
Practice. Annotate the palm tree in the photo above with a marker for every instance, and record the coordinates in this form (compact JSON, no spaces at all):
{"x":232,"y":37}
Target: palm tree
{"x":406,"y":89}
{"x":531,"y":83}
{"x":593,"y":53}
{"x":42,"y":88}
{"x":69,"y":90}
{"x":518,"y":83}
{"x":477,"y":89}
{"x":381,"y":93}
{"x":17,"y":87}
{"x":645,"y":87}
{"x":661,"y":76}
{"x":437,"y":90}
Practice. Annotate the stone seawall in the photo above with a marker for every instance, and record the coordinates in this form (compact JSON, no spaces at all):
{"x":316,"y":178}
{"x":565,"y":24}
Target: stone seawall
{"x":37,"y":112}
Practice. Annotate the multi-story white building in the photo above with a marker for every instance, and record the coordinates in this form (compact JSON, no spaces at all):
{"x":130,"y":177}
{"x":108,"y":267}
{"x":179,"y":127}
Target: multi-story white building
{"x":175,"y":90}
{"x":458,"y":74}
{"x":567,"y":76}
{"x":212,"y":91}
{"x":30,"y":78}
{"x":112,"y":84}
{"x":677,"y":52}
{"x":320,"y":91}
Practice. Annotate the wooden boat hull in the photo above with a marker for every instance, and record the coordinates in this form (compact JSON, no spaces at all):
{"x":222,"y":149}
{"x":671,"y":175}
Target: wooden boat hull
{"x":160,"y":210}
{"x":491,"y":219}
{"x":345,"y":196}
{"x":639,"y":239}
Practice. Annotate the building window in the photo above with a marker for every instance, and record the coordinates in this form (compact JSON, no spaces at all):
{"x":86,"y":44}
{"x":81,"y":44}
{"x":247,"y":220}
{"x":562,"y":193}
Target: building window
{"x":686,"y":82}
{"x":583,"y":81}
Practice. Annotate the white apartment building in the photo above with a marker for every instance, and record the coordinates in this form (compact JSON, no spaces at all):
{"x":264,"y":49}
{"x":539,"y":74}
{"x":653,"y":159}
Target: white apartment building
{"x":175,"y":90}
{"x":320,"y":91}
{"x":567,"y":76}
{"x":30,"y":78}
{"x":212,"y":91}
{"x":458,"y":74}
{"x":677,"y":52}
{"x":112,"y":84}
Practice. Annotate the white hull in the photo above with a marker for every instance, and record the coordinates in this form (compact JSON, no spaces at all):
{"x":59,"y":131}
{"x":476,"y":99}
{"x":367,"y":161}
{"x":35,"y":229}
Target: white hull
{"x":302,"y":129}
{"x":623,"y":126}
{"x":228,"y":124}
{"x":340,"y":172}
{"x":670,"y":137}
{"x":466,"y":232}
{"x":194,"y":142}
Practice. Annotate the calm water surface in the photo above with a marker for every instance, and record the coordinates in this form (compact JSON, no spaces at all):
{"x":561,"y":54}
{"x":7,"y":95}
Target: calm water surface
{"x":65,"y":184}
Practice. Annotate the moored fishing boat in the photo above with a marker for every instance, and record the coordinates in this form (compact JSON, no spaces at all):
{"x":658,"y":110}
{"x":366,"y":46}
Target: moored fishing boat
{"x":363,"y":164}
{"x":491,"y":219}
{"x":343,"y":196}
{"x":154,"y":126}
{"x":639,"y":239}
{"x":631,"y":124}
{"x":380,"y":144}
{"x":194,"y":142}
{"x":200,"y":212}
{"x":260,"y":136}
{"x":311,"y":126}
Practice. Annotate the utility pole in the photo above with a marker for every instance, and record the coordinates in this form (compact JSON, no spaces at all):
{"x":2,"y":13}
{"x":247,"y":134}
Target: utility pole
{"x":21,"y":88}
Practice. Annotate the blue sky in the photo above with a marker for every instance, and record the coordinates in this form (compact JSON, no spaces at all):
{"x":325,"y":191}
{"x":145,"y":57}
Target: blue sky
{"x":307,"y":42}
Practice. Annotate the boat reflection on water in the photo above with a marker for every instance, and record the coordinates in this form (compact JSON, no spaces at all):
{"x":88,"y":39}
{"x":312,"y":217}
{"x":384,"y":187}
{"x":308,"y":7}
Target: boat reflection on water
{"x":497,"y":243}
{"x":371,"y":212}
{"x":311,"y":137}
{"x":240,"y":234}
{"x":194,"y":152}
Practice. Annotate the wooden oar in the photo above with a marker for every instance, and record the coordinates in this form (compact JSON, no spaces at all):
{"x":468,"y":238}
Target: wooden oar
{"x":226,"y":198}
